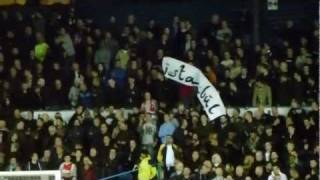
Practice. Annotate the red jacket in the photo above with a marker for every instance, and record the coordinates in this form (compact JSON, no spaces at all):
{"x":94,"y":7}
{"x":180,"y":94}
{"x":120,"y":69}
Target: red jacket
{"x":89,"y":174}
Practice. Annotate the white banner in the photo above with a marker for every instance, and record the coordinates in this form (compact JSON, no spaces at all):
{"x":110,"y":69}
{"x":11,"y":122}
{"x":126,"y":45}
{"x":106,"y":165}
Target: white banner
{"x":191,"y":76}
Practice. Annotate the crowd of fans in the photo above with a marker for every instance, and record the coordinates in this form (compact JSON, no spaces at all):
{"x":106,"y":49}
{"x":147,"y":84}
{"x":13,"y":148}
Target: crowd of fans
{"x":53,"y":62}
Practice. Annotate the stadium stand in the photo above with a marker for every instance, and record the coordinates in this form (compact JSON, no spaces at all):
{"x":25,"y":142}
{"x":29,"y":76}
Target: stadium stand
{"x":53,"y":61}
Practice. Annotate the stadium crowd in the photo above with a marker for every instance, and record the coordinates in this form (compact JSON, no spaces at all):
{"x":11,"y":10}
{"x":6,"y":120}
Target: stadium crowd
{"x":50,"y":61}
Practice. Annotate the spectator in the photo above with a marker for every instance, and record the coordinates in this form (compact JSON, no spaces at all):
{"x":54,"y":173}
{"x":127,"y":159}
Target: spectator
{"x":146,"y":170}
{"x":41,"y":48}
{"x":88,"y":171}
{"x":167,"y":155}
{"x":34,"y":164}
{"x":147,"y":129}
{"x":68,"y":169}
{"x":178,"y":173}
{"x":262,"y":94}
{"x":277,"y":174}
{"x":149,"y":105}
{"x":13,"y":165}
{"x":167,"y":128}
{"x":103,"y":56}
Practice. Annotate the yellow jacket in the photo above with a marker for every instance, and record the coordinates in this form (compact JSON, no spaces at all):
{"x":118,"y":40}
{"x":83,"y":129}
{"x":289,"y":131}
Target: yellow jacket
{"x":146,"y":170}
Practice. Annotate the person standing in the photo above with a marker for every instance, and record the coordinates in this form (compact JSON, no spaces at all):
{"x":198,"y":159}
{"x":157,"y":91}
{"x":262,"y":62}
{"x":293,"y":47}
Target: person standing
{"x":276,"y":174}
{"x":68,"y":169}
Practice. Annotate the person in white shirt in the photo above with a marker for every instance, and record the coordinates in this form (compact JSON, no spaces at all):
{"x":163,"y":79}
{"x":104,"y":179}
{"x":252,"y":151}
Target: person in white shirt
{"x":276,"y":174}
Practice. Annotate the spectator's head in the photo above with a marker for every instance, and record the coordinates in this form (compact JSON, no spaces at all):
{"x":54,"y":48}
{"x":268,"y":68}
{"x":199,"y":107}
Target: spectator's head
{"x":259,"y":156}
{"x":20,"y":125}
{"x":67,"y":158}
{"x":229,"y":168}
{"x":87,"y":161}
{"x":39,"y":37}
{"x":93,"y":152}
{"x":186,"y":172}
{"x":216,"y":159}
{"x":276,"y":171}
{"x":52,"y":130}
{"x":219,"y":171}
{"x":144,"y":154}
{"x":34,"y":157}
{"x":268,"y":146}
{"x":203,"y":120}
{"x":13,"y":161}
{"x":206,"y":167}
{"x":259,"y":171}
{"x":112,"y":154}
{"x":179,"y":167}
{"x":169,"y":140}
{"x":58,"y":142}
{"x":274,"y":156}
{"x":195,"y":155}
{"x":290,"y":146}
{"x":106,"y":140}
{"x":239,"y":171}
{"x":313,"y":164}
{"x":46,"y":153}
{"x":28,"y":30}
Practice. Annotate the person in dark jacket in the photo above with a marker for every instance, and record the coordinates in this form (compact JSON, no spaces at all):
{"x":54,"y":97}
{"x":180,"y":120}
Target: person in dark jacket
{"x":34,"y":164}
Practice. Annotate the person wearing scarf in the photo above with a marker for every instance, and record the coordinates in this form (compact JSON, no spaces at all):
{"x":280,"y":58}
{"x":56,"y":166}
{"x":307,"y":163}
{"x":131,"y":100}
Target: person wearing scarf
{"x":68,"y":169}
{"x":167,"y":155}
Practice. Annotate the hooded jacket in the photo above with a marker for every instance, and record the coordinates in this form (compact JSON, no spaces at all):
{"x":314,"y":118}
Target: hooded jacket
{"x":146,"y":170}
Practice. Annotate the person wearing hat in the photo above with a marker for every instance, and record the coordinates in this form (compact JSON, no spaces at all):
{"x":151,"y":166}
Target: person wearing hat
{"x":145,"y":170}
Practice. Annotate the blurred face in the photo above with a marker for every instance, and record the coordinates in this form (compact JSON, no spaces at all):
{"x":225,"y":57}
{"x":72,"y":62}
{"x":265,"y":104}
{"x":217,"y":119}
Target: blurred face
{"x":206,"y":167}
{"x":276,"y":170}
{"x":147,"y":96}
{"x":216,"y":159}
{"x":112,"y":154}
{"x":78,"y":153}
{"x":239,"y":171}
{"x":58,"y":142}
{"x":47,"y":153}
{"x":186,"y":172}
{"x":313,"y":163}
{"x":259,"y":156}
{"x":204,"y":120}
{"x":291,"y":129}
{"x":103,"y":128}
{"x":179,"y":166}
{"x":290,"y":147}
{"x":195,"y":155}
{"x":93,"y":152}
{"x":106,"y":140}
{"x":13,"y":161}
{"x":259,"y":171}
{"x":274,"y":156}
{"x":67,"y":158}
{"x":268,"y":146}
{"x":133,"y":143}
{"x":219,"y":171}
{"x":34,"y":157}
